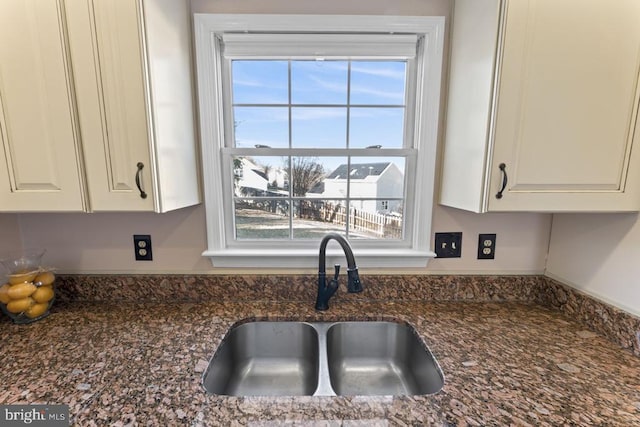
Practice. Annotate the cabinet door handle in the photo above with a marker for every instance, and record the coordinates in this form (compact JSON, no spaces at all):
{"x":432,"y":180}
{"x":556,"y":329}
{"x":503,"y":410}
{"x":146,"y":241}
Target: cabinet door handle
{"x":143,"y":194}
{"x":503,"y":169}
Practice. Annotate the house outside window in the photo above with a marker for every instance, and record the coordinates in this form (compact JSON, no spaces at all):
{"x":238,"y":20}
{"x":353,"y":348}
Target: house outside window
{"x":315,"y":124}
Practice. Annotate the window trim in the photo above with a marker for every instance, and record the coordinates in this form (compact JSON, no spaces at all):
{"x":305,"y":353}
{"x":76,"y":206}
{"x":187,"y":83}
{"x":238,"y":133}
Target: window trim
{"x":209,"y":62}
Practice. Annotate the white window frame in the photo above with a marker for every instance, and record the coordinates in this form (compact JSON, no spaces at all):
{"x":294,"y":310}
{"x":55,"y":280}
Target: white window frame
{"x":222,"y":248}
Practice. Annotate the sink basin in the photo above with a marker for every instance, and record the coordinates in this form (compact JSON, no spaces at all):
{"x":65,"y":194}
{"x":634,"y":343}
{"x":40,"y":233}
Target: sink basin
{"x":380,"y":358}
{"x":265,"y":359}
{"x":322,"y":359}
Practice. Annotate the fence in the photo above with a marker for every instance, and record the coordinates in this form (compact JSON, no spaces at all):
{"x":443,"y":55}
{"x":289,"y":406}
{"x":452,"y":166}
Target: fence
{"x":372,"y":224}
{"x":386,"y":226}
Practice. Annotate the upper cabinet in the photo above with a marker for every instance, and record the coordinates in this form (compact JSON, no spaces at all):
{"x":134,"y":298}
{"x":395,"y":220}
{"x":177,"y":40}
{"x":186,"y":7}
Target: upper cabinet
{"x":126,"y":68}
{"x":543,"y":106}
{"x":40,"y":163}
{"x":132,"y":70}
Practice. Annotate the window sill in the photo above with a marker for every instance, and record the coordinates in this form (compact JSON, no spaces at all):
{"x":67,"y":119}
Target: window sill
{"x":308,"y":258}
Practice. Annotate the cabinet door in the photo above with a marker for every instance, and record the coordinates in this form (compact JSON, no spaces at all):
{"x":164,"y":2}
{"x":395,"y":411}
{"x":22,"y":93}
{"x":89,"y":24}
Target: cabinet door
{"x":39,"y":162}
{"x":107,"y":52}
{"x":566,"y":107}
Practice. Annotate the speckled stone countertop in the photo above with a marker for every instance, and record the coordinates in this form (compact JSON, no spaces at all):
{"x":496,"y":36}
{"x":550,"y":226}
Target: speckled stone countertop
{"x":505,"y":363}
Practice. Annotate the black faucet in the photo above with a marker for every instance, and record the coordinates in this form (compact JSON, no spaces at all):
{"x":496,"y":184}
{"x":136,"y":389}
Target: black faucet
{"x":327,"y":289}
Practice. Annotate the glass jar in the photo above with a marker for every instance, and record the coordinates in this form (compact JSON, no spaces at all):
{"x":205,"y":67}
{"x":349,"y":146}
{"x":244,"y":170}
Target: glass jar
{"x":29,"y":291}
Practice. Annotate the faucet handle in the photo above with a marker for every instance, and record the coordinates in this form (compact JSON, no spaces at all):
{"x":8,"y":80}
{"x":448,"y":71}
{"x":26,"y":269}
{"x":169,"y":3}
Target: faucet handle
{"x":353,"y":282}
{"x":337,"y":271}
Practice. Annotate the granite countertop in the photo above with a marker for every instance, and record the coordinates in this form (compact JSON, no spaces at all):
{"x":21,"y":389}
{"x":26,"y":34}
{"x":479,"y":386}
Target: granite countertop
{"x":505,"y":363}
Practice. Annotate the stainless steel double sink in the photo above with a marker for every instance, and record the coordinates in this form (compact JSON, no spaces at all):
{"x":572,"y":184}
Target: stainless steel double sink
{"x":267,"y":358}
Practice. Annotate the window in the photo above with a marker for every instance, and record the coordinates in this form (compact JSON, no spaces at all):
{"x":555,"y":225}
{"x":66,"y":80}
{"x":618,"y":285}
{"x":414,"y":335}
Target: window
{"x":311,"y":122}
{"x":316,"y":124}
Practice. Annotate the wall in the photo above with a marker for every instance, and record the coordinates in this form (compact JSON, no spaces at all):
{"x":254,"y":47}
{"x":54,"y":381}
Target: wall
{"x":10,"y":239}
{"x":103,"y":242}
{"x":598,"y":254}
{"x":522,"y":240}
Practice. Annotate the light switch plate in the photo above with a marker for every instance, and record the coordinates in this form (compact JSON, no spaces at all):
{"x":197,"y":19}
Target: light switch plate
{"x":448,"y":245}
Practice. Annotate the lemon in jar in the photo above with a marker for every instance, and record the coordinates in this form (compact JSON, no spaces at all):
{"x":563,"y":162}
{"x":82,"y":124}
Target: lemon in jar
{"x":36,"y":310}
{"x":20,"y":305}
{"x":21,"y":290}
{"x":22,"y":277}
{"x":46,"y":278}
{"x":43,"y":294}
{"x":4,"y":296}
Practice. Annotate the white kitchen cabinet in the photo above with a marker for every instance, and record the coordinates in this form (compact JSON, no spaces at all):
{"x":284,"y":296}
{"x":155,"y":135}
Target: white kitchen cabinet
{"x":96,"y":106}
{"x":40,"y":163}
{"x":549,"y":89}
{"x":133,"y":80}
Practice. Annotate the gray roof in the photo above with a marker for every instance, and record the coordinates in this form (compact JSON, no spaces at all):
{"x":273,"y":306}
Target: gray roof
{"x":261,"y":173}
{"x":358,"y":171}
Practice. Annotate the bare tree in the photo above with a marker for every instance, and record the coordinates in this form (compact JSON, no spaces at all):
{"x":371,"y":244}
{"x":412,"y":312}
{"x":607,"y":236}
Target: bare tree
{"x":306,"y":172}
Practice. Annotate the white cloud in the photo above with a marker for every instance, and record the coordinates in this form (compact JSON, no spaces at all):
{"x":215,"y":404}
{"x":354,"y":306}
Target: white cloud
{"x":330,"y":85}
{"x":249,"y":83}
{"x":398,"y":98}
{"x":387,"y":72}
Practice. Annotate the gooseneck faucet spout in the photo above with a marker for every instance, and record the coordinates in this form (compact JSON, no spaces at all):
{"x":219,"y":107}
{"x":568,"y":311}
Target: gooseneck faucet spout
{"x":327,"y":289}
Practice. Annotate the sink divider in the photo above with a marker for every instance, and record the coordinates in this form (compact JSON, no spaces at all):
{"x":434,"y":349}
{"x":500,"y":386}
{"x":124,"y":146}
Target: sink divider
{"x":324,"y":381}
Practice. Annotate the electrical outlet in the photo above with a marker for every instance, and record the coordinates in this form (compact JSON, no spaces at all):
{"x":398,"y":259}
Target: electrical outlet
{"x":142,"y":247}
{"x":448,"y":245}
{"x":486,"y":246}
